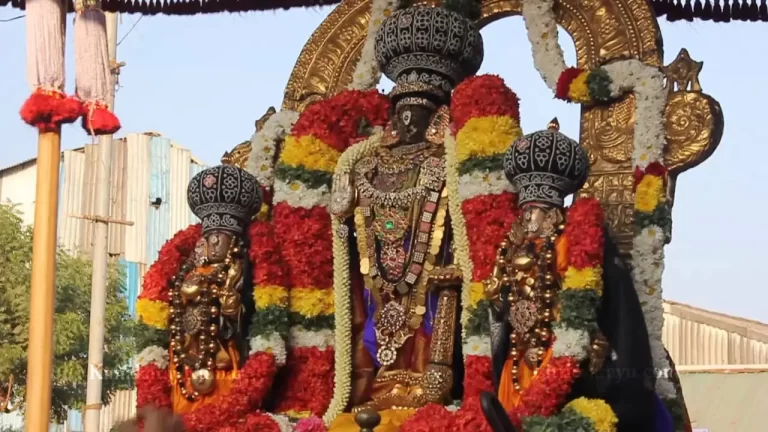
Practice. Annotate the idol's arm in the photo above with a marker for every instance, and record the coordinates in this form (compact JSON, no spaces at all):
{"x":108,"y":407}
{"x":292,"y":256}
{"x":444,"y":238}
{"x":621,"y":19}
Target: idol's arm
{"x":627,"y":381}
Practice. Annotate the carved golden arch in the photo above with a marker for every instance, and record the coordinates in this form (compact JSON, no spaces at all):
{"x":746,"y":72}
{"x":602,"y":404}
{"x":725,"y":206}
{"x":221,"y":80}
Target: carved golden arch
{"x":602,"y":30}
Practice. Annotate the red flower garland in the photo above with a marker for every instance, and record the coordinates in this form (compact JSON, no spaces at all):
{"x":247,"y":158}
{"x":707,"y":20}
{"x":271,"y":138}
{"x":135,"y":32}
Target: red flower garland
{"x":313,"y":368}
{"x":430,"y":418}
{"x":253,"y":422}
{"x":564,"y":82}
{"x":478,"y":376}
{"x":306,"y":234}
{"x":153,"y":387}
{"x":169,"y":260}
{"x":654,"y":168}
{"x":483,"y":96}
{"x":265,"y":255}
{"x":335,"y":121}
{"x":497,"y":213}
{"x":252,"y":384}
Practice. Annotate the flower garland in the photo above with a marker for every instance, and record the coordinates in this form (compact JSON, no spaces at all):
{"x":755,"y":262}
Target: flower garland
{"x":303,"y":228}
{"x":482,"y":204}
{"x":255,"y":378}
{"x":264,"y":146}
{"x":367,"y":73}
{"x":342,"y":287}
{"x":652,"y":212}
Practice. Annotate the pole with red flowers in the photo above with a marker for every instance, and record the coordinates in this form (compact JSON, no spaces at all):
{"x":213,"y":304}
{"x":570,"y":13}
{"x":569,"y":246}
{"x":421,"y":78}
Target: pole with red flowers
{"x":46,"y":109}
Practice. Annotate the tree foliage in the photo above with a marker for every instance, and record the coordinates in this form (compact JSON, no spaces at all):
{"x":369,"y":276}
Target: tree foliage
{"x":71,"y":321}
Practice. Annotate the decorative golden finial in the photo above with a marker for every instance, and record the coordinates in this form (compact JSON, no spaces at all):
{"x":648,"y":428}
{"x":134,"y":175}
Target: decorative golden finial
{"x":260,"y":122}
{"x":554,"y":125}
{"x":683,"y":73}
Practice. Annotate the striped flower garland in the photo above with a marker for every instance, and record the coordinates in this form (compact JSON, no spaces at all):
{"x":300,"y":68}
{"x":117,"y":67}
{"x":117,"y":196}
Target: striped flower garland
{"x":485,"y":113}
{"x":652,"y":213}
{"x":303,"y":227}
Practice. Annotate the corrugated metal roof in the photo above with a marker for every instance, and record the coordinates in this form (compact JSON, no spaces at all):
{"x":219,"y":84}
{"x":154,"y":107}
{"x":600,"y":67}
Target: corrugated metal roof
{"x":88,"y":203}
{"x":726,"y":400}
{"x":696,"y":336}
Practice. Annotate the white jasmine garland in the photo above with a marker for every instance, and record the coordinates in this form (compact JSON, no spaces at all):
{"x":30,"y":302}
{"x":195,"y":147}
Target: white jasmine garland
{"x":341,"y":287}
{"x":297,"y":194}
{"x":483,"y":183}
{"x":153,"y":355}
{"x":264,"y":143}
{"x":647,"y":84}
{"x":272,"y":343}
{"x":301,"y":337}
{"x":367,"y":73}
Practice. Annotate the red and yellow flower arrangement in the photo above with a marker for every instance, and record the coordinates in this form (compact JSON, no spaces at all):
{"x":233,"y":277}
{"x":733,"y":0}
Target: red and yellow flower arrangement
{"x":256,"y":377}
{"x":485,"y":114}
{"x":303,"y":226}
{"x":584,"y":86}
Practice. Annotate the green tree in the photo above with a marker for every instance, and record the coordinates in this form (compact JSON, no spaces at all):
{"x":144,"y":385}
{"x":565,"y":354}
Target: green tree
{"x":71,"y":321}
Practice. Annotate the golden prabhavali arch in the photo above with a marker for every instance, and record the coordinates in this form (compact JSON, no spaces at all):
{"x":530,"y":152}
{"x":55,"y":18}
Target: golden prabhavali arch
{"x":602,"y":30}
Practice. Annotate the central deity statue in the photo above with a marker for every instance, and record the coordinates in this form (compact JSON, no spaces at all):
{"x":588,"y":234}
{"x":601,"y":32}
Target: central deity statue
{"x":405,"y":284}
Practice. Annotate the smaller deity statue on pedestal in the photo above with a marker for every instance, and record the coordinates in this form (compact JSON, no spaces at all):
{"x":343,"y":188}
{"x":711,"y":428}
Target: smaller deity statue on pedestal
{"x":564,"y":313}
{"x":207,"y":299}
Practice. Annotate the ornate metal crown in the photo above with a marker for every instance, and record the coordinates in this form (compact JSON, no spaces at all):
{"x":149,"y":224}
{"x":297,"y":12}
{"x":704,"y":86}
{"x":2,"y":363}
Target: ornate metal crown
{"x":428,"y":50}
{"x":224,"y":197}
{"x":546,"y":166}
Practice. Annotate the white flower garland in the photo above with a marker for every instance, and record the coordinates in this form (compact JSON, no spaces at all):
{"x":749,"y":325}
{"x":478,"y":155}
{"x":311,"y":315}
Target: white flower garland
{"x":341,"y":288}
{"x":153,"y":355}
{"x":459,"y":224}
{"x":273,"y":344}
{"x":321,"y":339}
{"x":299,"y":195}
{"x":483,"y":183}
{"x":649,"y":143}
{"x":283,"y":422}
{"x":261,"y":161}
{"x":367,"y":73}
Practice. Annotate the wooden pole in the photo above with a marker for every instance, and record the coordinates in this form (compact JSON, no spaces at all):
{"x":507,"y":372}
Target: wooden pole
{"x":100,"y":245}
{"x":43,"y":291}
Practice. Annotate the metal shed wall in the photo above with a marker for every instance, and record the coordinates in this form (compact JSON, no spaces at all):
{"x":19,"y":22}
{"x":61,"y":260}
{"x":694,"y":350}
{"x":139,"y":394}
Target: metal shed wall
{"x":137,"y":197}
{"x":158,"y":216}
{"x":71,"y":193}
{"x":181,"y":160}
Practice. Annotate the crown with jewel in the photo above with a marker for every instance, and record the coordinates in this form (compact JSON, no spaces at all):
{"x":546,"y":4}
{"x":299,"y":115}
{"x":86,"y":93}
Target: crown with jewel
{"x":546,"y":166}
{"x":426,"y":50}
{"x":225,"y":198}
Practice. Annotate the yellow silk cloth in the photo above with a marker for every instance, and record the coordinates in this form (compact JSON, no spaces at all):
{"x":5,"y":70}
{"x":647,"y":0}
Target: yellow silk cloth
{"x":508,"y":396}
{"x":391,"y":420}
{"x":224,"y":381}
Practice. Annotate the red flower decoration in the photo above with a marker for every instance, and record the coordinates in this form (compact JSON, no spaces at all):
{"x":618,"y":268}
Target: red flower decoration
{"x":584,"y":231}
{"x":153,"y":387}
{"x":470,"y":417}
{"x":308,"y":382}
{"x":264,"y":253}
{"x":429,"y":418}
{"x":654,"y":168}
{"x":489,"y":219}
{"x":564,"y":82}
{"x":337,"y":121}
{"x":477,"y":376}
{"x":168,"y":264}
{"x":47,"y":110}
{"x":305,"y":236}
{"x":483,"y":96}
{"x":251,"y":386}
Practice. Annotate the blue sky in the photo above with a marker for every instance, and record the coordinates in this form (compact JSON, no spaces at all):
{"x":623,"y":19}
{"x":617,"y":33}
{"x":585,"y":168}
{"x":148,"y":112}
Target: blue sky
{"x":203,"y":80}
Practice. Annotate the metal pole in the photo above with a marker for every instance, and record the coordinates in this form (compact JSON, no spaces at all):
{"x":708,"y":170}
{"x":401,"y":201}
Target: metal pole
{"x":99,"y":277}
{"x":42,"y":293}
